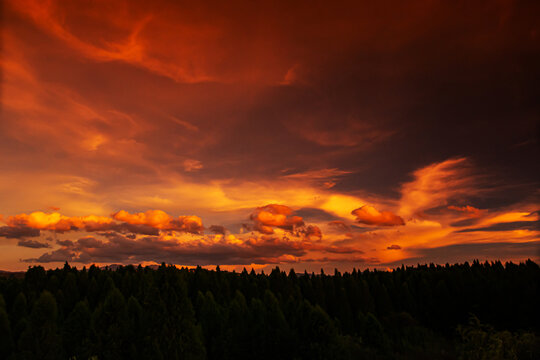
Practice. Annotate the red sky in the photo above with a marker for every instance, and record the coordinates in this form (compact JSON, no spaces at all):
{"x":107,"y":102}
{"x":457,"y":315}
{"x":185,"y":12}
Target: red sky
{"x":300,"y":134}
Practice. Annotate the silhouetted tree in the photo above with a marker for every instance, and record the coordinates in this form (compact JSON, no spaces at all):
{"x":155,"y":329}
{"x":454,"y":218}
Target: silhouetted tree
{"x":41,"y":340}
{"x":409,"y":313}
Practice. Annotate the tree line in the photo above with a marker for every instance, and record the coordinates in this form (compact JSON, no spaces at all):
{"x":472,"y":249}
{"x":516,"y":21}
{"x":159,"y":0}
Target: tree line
{"x":462,"y":311}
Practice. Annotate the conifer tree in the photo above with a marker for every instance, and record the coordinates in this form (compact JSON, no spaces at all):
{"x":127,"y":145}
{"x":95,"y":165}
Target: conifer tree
{"x":77,"y":331}
{"x":6,"y":338}
{"x":40,"y":339}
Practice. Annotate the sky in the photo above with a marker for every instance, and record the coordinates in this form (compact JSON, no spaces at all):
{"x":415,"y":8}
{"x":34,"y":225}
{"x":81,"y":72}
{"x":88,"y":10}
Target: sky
{"x":305,"y":134}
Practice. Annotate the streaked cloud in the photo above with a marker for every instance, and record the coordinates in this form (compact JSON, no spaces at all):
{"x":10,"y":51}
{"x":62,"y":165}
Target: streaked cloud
{"x":469,"y":211}
{"x":325,"y":142}
{"x":34,"y":244}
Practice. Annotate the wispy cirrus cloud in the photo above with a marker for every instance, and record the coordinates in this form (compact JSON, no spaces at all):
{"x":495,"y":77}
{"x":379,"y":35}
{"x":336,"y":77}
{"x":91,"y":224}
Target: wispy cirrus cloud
{"x":176,"y":106}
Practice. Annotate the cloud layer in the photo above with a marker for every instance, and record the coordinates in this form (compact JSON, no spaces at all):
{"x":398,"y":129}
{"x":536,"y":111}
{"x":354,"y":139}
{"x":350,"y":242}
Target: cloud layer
{"x":211,"y":133}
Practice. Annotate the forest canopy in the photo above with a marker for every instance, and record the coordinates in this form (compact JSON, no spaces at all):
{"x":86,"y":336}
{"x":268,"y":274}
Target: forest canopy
{"x":468,"y":311}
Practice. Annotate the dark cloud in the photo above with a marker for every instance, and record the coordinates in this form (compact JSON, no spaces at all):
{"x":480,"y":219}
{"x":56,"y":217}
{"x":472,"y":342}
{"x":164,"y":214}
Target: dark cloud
{"x":316,"y":215}
{"x":34,"y":244}
{"x":464,"y":222}
{"x":339,"y":249}
{"x":90,"y":242}
{"x":310,"y":231}
{"x":218,"y":229}
{"x":337,"y":260}
{"x":356,"y":86}
{"x":341,"y":225}
{"x":119,"y":249}
{"x":468,"y":252}
{"x":394,"y":247}
{"x":59,"y":255}
{"x":65,"y":243}
{"x":507,"y":226}
{"x":135,"y":229}
{"x":365,"y":81}
{"x":17,"y":232}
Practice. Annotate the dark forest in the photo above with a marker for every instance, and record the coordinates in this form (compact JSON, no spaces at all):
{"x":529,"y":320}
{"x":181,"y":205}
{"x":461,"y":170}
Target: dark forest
{"x":462,"y":311}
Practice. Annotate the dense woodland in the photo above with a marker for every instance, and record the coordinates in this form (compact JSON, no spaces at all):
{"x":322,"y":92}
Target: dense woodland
{"x":467,"y":311}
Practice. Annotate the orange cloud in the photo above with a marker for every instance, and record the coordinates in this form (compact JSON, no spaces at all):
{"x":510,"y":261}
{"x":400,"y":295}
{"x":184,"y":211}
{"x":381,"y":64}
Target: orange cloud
{"x":154,"y":218}
{"x":168,"y":40}
{"x":370,"y":216}
{"x":57,"y":222}
{"x":311,"y":231}
{"x":274,"y":215}
{"x":468,"y":210}
{"x":161,"y":220}
{"x":192,"y":165}
{"x":435,"y":184}
{"x":147,"y":223}
{"x":329,"y":184}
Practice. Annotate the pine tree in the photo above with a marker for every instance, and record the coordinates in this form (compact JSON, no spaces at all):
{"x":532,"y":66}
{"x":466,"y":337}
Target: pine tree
{"x":40,"y":340}
{"x":77,"y":331}
{"x":6,"y":338}
{"x":109,"y":322}
{"x":374,"y":333}
{"x":212,"y":320}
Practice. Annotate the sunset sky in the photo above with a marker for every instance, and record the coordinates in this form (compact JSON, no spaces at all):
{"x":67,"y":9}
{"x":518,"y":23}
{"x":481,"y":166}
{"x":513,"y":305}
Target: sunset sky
{"x":303,"y":134}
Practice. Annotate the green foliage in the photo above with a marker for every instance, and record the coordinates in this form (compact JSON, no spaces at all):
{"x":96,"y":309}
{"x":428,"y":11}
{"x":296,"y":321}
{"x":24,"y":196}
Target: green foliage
{"x":170,"y":313}
{"x":109,"y":322}
{"x":40,"y":338}
{"x":482,"y":342}
{"x":77,"y":330}
{"x":6,"y":338}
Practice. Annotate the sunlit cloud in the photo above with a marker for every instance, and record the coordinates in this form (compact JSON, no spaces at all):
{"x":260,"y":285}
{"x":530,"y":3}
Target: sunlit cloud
{"x":161,"y":220}
{"x":269,"y":216}
{"x":436,"y":184}
{"x":57,"y":222}
{"x":153,"y":41}
{"x":467,"y":210}
{"x":126,"y":126}
{"x":371,"y":216}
